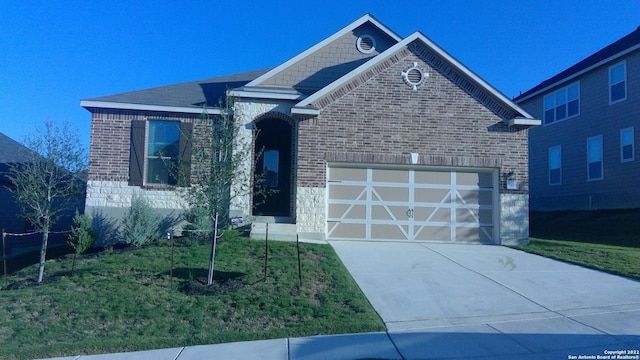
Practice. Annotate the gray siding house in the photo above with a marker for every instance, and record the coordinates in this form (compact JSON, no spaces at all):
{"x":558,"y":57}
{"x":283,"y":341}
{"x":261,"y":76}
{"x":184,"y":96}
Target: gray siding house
{"x":365,"y":135}
{"x":583,"y":157}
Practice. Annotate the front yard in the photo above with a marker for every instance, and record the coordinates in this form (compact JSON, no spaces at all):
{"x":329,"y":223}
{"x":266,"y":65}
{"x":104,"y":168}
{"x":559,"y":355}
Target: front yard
{"x":121,"y":301}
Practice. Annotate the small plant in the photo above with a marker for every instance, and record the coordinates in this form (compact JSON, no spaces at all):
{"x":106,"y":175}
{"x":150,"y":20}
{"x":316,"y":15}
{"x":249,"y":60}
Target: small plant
{"x":82,"y":237}
{"x":141,"y":224}
{"x":199,"y":222}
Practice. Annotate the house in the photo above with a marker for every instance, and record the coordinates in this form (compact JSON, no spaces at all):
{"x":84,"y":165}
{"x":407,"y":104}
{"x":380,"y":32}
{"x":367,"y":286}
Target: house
{"x":365,"y":135}
{"x":583,"y":155}
{"x":12,"y":153}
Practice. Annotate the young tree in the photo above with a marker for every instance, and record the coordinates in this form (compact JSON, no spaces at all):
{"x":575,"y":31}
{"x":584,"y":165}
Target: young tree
{"x":46,"y":185}
{"x":82,"y":237}
{"x":218,"y":163}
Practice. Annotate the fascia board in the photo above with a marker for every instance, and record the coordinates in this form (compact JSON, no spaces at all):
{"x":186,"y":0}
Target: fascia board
{"x":581,"y":72}
{"x":87,"y":104}
{"x":323,"y":43}
{"x":524,"y":122}
{"x":416,"y":36}
{"x":265,"y":95}
{"x":305,"y":111}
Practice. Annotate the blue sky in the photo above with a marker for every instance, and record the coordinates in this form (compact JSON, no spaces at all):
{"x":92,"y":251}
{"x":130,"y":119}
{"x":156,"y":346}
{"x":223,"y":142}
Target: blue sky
{"x":53,"y":54}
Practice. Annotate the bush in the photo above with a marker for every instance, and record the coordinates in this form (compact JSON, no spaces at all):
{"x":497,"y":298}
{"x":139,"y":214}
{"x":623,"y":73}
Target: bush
{"x":82,"y":237}
{"x":200,"y":223}
{"x":141,"y":224}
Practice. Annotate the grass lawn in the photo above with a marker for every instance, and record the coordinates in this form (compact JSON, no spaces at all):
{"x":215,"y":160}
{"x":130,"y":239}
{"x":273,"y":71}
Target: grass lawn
{"x":607,"y":240}
{"x":617,"y":260}
{"x":121,"y":301}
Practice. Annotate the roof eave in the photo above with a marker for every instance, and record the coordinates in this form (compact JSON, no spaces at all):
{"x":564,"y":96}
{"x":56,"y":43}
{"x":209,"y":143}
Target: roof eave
{"x":521,"y":121}
{"x":90,"y":104}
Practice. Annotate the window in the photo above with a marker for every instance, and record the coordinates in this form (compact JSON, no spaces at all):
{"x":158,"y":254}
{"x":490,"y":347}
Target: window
{"x":162,"y":152}
{"x":555,"y":165}
{"x":270,"y":166}
{"x":159,"y":149}
{"x":626,"y":145}
{"x":594,"y":158}
{"x":617,"y":83}
{"x":562,"y":104}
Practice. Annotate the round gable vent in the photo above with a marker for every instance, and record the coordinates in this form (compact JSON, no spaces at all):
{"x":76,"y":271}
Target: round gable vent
{"x":414,"y":76}
{"x":366,"y":44}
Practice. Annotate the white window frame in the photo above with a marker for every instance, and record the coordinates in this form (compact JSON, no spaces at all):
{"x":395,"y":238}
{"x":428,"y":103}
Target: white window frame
{"x":623,"y":144}
{"x":591,"y":161}
{"x":555,"y":99}
{"x":559,"y":167}
{"x":623,"y":81}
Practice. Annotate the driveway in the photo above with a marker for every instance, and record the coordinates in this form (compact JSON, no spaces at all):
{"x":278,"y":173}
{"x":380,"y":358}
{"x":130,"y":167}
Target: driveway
{"x":450,"y":300}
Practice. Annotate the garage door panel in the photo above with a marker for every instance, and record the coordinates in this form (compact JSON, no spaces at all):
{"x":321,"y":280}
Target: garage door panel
{"x":434,"y":196}
{"x":346,"y":192}
{"x":432,"y":233}
{"x":474,"y":197}
{"x":474,"y":234}
{"x":388,"y":232}
{"x":388,"y":213}
{"x":481,"y":179}
{"x":348,"y":174}
{"x":432,"y":177}
{"x":474,"y":216}
{"x":390,"y":176}
{"x":412,"y":204}
{"x":432,"y":214}
{"x":348,"y":231}
{"x":386,"y":193}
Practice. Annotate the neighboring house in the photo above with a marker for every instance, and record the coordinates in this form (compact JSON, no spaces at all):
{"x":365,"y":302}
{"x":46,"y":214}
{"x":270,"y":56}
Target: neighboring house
{"x":584,"y":155}
{"x":366,"y":135}
{"x":13,"y":153}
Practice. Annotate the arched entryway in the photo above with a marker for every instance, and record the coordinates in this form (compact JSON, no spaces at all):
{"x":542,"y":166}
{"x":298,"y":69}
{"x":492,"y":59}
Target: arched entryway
{"x":274,"y":145}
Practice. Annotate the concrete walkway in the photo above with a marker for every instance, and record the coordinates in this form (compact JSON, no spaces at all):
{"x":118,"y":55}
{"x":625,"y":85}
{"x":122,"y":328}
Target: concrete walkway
{"x":445,"y":301}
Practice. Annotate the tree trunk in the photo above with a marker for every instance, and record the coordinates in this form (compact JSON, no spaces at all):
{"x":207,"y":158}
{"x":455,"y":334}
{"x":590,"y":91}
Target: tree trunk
{"x":73,"y":264}
{"x":43,"y":253}
{"x":212,"y":258}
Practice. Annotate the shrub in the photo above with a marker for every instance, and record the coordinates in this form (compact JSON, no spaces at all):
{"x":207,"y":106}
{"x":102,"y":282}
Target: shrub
{"x":82,"y":237}
{"x":141,"y":224}
{"x":199,"y":222}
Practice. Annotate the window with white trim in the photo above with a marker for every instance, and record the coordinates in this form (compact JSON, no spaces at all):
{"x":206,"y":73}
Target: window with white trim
{"x":562,"y":104}
{"x":617,"y":83}
{"x":594,"y":158}
{"x":555,"y":165}
{"x":627,"y":147}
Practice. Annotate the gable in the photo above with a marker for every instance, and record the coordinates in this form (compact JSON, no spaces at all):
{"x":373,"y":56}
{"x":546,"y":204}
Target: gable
{"x":332,"y":61}
{"x":437,"y":60}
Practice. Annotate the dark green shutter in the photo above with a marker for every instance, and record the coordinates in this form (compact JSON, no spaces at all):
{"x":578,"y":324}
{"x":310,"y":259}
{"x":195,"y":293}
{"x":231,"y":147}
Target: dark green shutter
{"x":136,"y":155}
{"x":186,"y":131}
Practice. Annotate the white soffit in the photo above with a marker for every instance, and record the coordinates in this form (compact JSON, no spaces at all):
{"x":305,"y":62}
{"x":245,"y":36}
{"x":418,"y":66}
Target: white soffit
{"x":128,"y":106}
{"x":323,"y":43}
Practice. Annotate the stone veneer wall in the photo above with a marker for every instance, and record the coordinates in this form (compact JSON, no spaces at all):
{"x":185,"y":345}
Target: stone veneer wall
{"x":311,"y":215}
{"x":514,"y":219}
{"x":118,"y":194}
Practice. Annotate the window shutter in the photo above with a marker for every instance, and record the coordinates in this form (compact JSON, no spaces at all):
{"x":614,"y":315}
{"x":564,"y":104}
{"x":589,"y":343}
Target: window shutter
{"x":136,"y":154}
{"x":186,"y":131}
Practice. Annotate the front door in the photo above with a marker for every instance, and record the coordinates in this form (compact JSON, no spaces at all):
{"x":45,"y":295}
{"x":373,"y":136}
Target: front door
{"x":272,"y":195}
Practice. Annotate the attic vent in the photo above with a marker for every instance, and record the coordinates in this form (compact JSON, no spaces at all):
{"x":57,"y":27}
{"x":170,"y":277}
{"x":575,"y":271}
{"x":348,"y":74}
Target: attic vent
{"x":366,"y":44}
{"x":414,"y":76}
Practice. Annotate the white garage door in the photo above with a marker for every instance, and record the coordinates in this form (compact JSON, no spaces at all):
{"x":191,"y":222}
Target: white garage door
{"x":450,"y":205}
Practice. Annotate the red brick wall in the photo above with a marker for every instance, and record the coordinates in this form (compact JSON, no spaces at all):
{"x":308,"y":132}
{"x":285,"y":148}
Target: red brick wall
{"x":378,"y":118}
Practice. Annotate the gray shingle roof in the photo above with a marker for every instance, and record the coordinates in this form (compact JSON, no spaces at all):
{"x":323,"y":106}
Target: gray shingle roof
{"x":12,"y":151}
{"x":187,"y":94}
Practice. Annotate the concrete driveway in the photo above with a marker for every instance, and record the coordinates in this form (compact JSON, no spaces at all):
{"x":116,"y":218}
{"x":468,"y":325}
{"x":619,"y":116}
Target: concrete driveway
{"x":457,"y":301}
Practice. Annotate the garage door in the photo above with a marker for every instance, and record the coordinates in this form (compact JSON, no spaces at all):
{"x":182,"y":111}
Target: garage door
{"x":446,"y":205}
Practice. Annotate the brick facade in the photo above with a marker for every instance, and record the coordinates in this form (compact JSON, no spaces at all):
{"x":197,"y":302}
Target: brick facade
{"x":380,"y":119}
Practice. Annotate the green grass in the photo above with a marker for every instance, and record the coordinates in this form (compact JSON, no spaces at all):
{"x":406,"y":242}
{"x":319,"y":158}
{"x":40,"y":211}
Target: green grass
{"x":613,"y":259}
{"x":121,"y":301}
{"x":607,"y":240}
